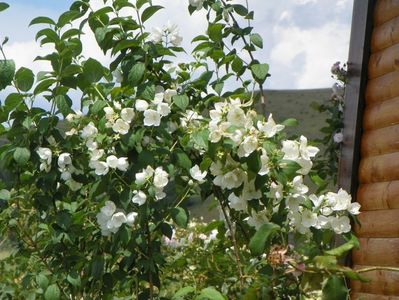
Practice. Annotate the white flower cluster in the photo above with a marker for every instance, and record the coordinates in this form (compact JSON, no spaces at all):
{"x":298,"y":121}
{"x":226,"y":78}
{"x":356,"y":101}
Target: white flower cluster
{"x":101,"y":167}
{"x":168,"y":34}
{"x":46,"y":156}
{"x":119,"y":118}
{"x":67,"y":169}
{"x":197,"y":175}
{"x":300,"y":153}
{"x":110,"y":219}
{"x":71,"y":118}
{"x":157,"y":108}
{"x":196,"y":3}
{"x":190,"y":118}
{"x":148,"y":177}
{"x":329,"y":211}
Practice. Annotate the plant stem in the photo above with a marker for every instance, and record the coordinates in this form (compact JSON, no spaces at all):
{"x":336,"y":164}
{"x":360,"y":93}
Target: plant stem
{"x":365,"y":270}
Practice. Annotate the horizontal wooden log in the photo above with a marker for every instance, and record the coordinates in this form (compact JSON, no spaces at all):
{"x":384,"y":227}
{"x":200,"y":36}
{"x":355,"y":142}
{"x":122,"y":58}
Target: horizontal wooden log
{"x":380,"y":141}
{"x":381,"y":114}
{"x":377,"y":252}
{"x":379,"y":168}
{"x":381,"y":282}
{"x":382,"y":88}
{"x":384,"y":62}
{"x":379,"y":195}
{"x":365,"y":296}
{"x":385,"y":10}
{"x":378,"y":224}
{"x":385,"y":36}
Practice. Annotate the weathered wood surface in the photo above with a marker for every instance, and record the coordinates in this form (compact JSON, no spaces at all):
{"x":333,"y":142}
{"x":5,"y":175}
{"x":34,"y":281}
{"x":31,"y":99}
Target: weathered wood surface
{"x":377,"y":252}
{"x":382,"y":88}
{"x":378,"y":224}
{"x":379,"y":195}
{"x":381,"y":282}
{"x":384,"y":62}
{"x":380,"y":141}
{"x":385,"y":10}
{"x":365,"y":296}
{"x":381,"y":114}
{"x":379,"y":168}
{"x":385,"y":36}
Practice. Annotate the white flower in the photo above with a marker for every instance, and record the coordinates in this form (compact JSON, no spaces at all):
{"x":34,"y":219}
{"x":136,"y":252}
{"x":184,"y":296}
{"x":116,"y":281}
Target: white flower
{"x":176,"y":39}
{"x":354,"y":208}
{"x":122,"y":164}
{"x":118,"y":76}
{"x":232,"y":179}
{"x":341,"y":224}
{"x":276,"y":190}
{"x":298,"y":187}
{"x":160,"y":178}
{"x":307,"y":151}
{"x":109,"y":208}
{"x":109,"y":113}
{"x":270,"y":128}
{"x":141,"y":105}
{"x":156,"y":35}
{"x":131,"y":218}
{"x":338,"y":137}
{"x":118,"y":219}
{"x":117,"y":105}
{"x":339,"y":201}
{"x":169,"y":93}
{"x":159,"y":194}
{"x":66,"y":175}
{"x":121,"y":127}
{"x":64,"y":160}
{"x":308,"y":218}
{"x":163,"y":109}
{"x":237,"y":203}
{"x":112,"y":161}
{"x":236,"y":116}
{"x":196,"y":173}
{"x":317,"y":201}
{"x":196,"y":3}
{"x":152,"y":118}
{"x":73,"y":185}
{"x":100,"y":167}
{"x":143,"y":176}
{"x":45,"y":154}
{"x":158,"y":99}
{"x":258,"y":219}
{"x":127,"y":114}
{"x":249,"y":191}
{"x":91,"y":144}
{"x":323,"y":222}
{"x":139,"y":197}
{"x":290,"y":149}
{"x":264,"y":159}
{"x":249,"y":145}
{"x":89,"y":131}
{"x":96,"y":154}
{"x":305,"y":164}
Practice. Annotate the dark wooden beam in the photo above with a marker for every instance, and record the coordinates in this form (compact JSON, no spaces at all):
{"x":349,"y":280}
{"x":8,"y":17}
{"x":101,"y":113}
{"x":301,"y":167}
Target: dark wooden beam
{"x":359,"y":54}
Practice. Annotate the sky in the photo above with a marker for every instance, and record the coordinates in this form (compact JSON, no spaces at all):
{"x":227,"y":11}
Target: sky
{"x":302,"y":38}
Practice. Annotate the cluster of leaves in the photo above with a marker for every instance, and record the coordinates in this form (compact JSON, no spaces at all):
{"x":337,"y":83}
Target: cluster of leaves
{"x":326,"y":165}
{"x":55,"y":225}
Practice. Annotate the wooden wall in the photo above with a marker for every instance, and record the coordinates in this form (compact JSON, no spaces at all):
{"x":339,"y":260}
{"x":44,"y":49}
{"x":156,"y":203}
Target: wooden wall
{"x":378,"y":169}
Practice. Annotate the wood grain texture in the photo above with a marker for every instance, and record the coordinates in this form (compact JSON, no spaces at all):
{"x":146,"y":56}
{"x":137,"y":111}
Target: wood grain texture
{"x":385,"y":10}
{"x":379,"y":168}
{"x":385,"y":36}
{"x":378,"y":224}
{"x":381,"y":282}
{"x":381,"y":114}
{"x":382,"y":88}
{"x":365,"y":296}
{"x":380,"y":141}
{"x":379,"y":195}
{"x":377,"y":252}
{"x":384,"y":62}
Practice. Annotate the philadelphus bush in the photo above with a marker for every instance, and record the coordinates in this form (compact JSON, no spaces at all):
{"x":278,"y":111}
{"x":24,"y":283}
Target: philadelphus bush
{"x":95,"y":203}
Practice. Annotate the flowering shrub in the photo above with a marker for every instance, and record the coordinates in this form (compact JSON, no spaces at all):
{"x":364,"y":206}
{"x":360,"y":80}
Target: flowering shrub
{"x":326,"y":165}
{"x":95,"y":205}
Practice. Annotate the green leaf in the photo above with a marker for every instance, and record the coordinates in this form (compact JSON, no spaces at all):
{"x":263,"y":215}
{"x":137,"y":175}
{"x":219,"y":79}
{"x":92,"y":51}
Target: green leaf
{"x":21,"y":155}
{"x":136,"y":74}
{"x":149,"y":11}
{"x":3,"y":6}
{"x":257,"y":40}
{"x":210,"y":293}
{"x":259,"y":72}
{"x":262,"y":238}
{"x":181,"y":101}
{"x":7,"y":70}
{"x":201,"y":138}
{"x":93,"y":70}
{"x":180,"y":216}
{"x":74,"y":279}
{"x":240,"y":9}
{"x":52,"y":293}
{"x":237,"y":64}
{"x":13,"y":100}
{"x":253,"y":161}
{"x":183,"y":160}
{"x":42,"y":281}
{"x":335,"y":289}
{"x":290,"y":168}
{"x":64,"y":104}
{"x":24,"y":79}
{"x":42,"y":20}
{"x":97,"y":267}
{"x":290,"y":122}
{"x":325,"y":261}
{"x":5,"y":195}
{"x":215,"y":32}
{"x":140,"y":3}
{"x":180,"y":294}
{"x":344,"y":248}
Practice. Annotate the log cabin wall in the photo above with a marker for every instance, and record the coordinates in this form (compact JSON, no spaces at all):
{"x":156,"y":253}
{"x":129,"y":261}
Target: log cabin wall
{"x":370,"y":161}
